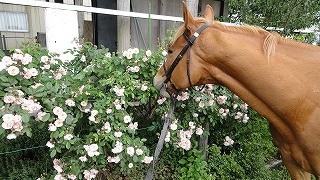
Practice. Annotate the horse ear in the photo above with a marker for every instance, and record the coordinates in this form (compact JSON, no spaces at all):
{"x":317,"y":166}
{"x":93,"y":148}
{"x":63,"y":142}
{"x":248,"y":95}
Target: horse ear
{"x":208,"y":13}
{"x":189,"y":22}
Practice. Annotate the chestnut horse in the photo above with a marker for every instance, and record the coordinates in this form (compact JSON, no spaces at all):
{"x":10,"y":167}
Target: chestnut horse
{"x":277,"y":77}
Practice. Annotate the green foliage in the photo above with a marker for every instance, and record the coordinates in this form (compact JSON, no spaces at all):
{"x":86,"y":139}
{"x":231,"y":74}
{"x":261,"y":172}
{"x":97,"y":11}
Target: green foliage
{"x":193,"y":166}
{"x":286,"y":14}
{"x":247,"y":158}
{"x":1,"y":53}
{"x":25,"y":163}
{"x":306,"y":38}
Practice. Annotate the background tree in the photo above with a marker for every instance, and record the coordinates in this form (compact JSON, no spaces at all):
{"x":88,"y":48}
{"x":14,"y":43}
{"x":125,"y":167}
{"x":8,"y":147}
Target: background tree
{"x":290,"y":15}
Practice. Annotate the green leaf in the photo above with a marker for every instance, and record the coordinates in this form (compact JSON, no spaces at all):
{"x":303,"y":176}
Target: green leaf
{"x":28,"y":132}
{"x":4,"y":78}
{"x":45,"y":117}
{"x":56,"y":134}
{"x":41,"y":125}
{"x":69,"y":121}
{"x":184,"y":169}
{"x":49,"y":85}
{"x":25,"y":117}
{"x":41,"y":94}
{"x":56,"y":88}
{"x":53,"y":153}
{"x":61,"y":134}
{"x":5,"y":84}
{"x":80,"y":76}
{"x":68,"y":145}
{"x":2,"y":130}
{"x":12,"y":81}
{"x":135,"y":159}
{"x":191,"y":159}
{"x":182,"y":161}
{"x":40,"y":89}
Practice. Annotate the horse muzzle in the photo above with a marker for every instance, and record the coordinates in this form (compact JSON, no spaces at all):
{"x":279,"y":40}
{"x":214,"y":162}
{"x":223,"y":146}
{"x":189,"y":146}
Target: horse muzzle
{"x":161,"y":86}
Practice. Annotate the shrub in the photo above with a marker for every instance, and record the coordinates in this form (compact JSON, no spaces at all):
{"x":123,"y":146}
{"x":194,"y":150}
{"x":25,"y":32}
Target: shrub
{"x":100,"y":113}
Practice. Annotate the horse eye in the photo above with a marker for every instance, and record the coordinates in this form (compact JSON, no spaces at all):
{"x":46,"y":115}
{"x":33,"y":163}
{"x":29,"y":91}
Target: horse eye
{"x":170,"y":52}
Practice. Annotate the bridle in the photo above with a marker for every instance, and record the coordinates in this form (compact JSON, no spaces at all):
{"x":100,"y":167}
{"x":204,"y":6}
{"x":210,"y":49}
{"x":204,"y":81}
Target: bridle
{"x":168,"y":118}
{"x":187,"y":47}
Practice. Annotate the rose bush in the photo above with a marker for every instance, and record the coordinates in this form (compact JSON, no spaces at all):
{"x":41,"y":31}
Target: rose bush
{"x":95,"y":105}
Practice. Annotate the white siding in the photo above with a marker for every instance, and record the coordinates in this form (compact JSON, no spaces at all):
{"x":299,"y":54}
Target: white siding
{"x":35,"y":22}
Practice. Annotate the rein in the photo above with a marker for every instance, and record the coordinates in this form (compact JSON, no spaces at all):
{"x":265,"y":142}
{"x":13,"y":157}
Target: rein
{"x":168,"y":118}
{"x":167,"y":121}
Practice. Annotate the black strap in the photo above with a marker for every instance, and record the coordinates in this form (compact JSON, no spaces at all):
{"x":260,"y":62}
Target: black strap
{"x":164,"y":131}
{"x":189,"y":75}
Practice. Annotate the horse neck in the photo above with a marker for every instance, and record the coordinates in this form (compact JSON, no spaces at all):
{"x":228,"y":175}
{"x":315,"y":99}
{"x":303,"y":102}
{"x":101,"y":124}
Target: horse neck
{"x":271,"y":86}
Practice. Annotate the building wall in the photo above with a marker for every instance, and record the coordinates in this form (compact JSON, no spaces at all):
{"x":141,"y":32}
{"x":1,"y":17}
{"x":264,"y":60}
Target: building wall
{"x":144,"y":33}
{"x":35,"y":24}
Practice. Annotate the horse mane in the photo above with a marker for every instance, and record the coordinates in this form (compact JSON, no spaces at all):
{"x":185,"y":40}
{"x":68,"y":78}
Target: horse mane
{"x":271,"y":39}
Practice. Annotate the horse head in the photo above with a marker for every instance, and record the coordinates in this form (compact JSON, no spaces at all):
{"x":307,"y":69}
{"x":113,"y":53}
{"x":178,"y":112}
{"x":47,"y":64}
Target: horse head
{"x":185,"y":65}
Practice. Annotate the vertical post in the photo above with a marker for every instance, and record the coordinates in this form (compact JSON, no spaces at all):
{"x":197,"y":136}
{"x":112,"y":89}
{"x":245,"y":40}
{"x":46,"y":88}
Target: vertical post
{"x":162,"y":24}
{"x":80,"y":18}
{"x":4,"y":42}
{"x":1,"y":45}
{"x":193,"y":7}
{"x":149,"y":27}
{"x":124,"y":38}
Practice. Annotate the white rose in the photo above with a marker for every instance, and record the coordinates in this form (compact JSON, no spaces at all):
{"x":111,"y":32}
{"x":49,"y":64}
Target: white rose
{"x":108,"y":111}
{"x":118,"y":134}
{"x":68,"y":137}
{"x":148,"y":53}
{"x":173,"y":126}
{"x":52,"y":127}
{"x":127,"y":119}
{"x":57,"y":110}
{"x":130,"y":151}
{"x":8,"y":117}
{"x":7,"y":61}
{"x":144,"y":87}
{"x":58,"y":123}
{"x":44,"y":59}
{"x":33,"y":72}
{"x":13,"y":70}
{"x":139,"y":152}
{"x":2,"y":66}
{"x":199,"y":131}
{"x":11,"y":136}
{"x":9,"y":99}
{"x":130,"y":165}
{"x":83,"y":159}
{"x":164,"y":53}
{"x":62,"y":116}
{"x":50,"y":145}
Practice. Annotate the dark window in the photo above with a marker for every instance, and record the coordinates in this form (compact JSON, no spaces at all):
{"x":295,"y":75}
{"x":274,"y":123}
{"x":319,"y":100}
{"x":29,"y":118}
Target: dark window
{"x":105,"y":26}
{"x":58,"y":1}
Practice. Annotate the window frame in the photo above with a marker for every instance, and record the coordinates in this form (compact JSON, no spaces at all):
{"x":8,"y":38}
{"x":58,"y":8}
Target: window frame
{"x":6,"y":15}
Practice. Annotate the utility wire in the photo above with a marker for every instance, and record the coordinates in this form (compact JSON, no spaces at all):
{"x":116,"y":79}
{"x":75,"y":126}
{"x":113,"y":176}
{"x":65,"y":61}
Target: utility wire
{"x":19,"y":150}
